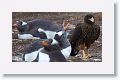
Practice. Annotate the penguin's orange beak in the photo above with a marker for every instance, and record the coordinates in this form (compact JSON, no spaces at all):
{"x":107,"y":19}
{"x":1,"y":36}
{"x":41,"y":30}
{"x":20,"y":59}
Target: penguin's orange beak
{"x":44,"y":43}
{"x":15,"y":24}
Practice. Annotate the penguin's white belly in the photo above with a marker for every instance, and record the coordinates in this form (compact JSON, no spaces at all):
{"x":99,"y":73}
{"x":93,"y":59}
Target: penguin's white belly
{"x":43,"y":57}
{"x":66,"y":52}
{"x":31,"y":56}
{"x":26,"y":36}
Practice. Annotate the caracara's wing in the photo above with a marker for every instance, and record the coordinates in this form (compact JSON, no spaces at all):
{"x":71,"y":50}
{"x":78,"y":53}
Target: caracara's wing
{"x":97,"y":30}
{"x":77,"y":34}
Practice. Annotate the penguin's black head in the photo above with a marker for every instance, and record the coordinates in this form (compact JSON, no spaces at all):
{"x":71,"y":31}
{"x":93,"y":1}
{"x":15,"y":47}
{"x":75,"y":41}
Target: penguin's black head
{"x":50,"y":45}
{"x":89,"y":19}
{"x":59,"y":35}
{"x":22,"y":26}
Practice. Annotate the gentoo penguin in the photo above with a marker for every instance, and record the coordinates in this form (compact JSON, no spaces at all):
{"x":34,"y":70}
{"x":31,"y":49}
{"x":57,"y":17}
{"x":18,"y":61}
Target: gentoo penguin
{"x":84,"y":35}
{"x":54,"y":53}
{"x":44,"y":51}
{"x":31,"y":29}
{"x":64,"y":44}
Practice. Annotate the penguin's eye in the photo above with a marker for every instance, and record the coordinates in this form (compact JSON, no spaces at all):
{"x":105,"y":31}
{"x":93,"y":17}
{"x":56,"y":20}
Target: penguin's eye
{"x":40,"y":30}
{"x":24,"y":23}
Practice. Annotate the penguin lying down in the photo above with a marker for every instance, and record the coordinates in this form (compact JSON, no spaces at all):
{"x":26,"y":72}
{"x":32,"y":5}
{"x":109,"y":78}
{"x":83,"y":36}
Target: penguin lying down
{"x":31,"y":29}
{"x":48,"y":50}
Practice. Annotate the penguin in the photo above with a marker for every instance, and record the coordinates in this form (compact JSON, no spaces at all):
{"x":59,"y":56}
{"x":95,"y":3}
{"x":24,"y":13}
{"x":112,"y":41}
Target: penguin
{"x":31,"y":29}
{"x":54,"y":53}
{"x":64,"y":44}
{"x":44,"y":51}
{"x":32,"y":51}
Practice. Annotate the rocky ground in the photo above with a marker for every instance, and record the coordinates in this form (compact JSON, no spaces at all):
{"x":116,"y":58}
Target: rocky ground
{"x":18,"y":46}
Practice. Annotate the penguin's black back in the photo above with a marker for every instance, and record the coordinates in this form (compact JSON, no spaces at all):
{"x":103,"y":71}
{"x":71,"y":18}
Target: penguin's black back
{"x":43,"y":24}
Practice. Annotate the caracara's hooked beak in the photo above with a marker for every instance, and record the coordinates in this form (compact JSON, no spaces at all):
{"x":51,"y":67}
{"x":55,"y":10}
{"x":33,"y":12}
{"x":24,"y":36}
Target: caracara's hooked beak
{"x":92,"y":19}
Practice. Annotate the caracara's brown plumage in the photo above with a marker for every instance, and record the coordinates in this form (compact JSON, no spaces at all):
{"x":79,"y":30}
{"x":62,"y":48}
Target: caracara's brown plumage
{"x":84,"y":35}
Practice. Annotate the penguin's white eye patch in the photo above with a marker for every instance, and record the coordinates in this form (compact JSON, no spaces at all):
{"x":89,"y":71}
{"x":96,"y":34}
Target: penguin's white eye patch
{"x":40,"y":30}
{"x":24,"y":23}
{"x":54,"y":42}
{"x":60,"y":33}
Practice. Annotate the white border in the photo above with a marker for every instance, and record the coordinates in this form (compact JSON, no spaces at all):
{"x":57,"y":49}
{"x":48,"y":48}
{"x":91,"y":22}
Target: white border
{"x":104,"y":6}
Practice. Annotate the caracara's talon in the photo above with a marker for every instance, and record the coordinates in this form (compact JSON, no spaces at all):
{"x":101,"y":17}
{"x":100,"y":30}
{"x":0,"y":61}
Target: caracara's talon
{"x":89,"y":55}
{"x":86,"y":57}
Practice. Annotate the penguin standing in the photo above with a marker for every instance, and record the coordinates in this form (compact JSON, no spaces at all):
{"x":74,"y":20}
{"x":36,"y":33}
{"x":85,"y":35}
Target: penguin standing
{"x":64,"y":43}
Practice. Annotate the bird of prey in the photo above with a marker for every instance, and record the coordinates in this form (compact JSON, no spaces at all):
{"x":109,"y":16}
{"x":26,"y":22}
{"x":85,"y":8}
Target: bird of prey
{"x":83,"y":36}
